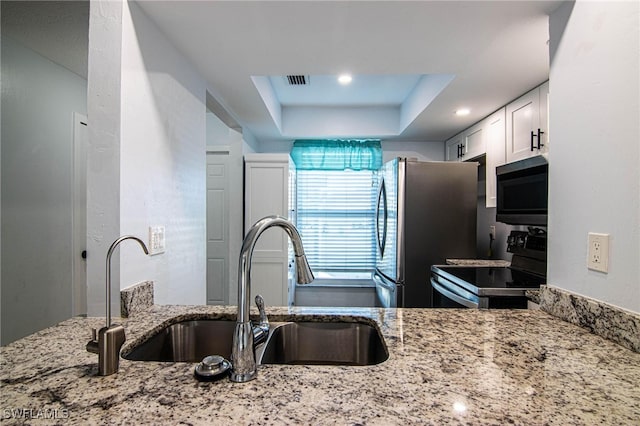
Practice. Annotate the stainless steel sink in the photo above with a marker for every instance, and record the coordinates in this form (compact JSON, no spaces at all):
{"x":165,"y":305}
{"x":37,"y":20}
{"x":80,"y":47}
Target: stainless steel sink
{"x":306,"y":343}
{"x":324,"y":343}
{"x":186,"y":341}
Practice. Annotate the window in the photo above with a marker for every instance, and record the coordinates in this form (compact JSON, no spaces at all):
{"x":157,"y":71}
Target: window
{"x":335,"y":212}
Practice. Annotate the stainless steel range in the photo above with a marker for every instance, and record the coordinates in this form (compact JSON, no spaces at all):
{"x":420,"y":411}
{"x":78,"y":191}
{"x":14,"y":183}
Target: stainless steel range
{"x":489,"y":287}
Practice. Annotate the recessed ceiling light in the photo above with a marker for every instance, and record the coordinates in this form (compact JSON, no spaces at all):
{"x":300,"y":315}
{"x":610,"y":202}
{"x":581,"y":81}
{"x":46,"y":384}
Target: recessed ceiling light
{"x":463,"y":111}
{"x":345,"y":79}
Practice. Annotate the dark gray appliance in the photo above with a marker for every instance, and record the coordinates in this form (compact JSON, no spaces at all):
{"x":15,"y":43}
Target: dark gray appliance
{"x":487,"y":287}
{"x":426,"y":213}
{"x":522,"y":192}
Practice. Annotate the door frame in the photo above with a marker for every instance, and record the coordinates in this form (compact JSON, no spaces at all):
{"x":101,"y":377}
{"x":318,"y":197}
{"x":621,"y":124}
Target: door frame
{"x":79,"y":215}
{"x":221,"y":150}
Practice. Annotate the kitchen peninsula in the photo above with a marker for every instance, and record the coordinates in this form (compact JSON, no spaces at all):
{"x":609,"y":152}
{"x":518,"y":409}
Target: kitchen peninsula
{"x":444,"y":367}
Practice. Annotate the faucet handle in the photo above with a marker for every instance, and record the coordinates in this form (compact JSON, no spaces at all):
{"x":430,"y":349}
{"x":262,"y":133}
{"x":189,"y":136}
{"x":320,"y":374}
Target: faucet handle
{"x":261,"y":332}
{"x":263,"y":315}
{"x":93,"y":344}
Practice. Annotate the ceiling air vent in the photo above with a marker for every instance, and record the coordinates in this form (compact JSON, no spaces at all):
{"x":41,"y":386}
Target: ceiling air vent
{"x":297,"y":80}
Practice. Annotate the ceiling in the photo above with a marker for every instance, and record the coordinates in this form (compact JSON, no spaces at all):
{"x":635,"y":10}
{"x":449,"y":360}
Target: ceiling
{"x":494,"y":51}
{"x":497,"y":50}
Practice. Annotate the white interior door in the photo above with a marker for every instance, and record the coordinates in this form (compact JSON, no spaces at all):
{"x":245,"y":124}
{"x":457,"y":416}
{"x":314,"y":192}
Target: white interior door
{"x":79,"y":214}
{"x":218,"y":226}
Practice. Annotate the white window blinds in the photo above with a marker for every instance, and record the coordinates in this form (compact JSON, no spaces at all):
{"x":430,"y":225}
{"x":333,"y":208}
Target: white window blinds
{"x":336,"y":219}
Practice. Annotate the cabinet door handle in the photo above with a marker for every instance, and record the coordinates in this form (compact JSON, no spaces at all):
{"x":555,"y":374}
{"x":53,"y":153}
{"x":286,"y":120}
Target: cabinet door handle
{"x":533,"y":136}
{"x":540,"y":133}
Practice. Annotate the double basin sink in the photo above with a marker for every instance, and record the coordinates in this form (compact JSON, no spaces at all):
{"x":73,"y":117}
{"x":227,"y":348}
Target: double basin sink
{"x":306,"y":343}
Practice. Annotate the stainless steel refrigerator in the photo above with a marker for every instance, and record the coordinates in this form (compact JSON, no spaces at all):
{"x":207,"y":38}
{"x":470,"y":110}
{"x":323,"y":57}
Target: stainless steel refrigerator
{"x":426,"y":213}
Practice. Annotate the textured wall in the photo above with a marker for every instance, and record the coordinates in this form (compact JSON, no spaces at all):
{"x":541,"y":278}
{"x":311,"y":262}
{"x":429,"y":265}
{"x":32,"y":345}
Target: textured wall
{"x":163,"y":163}
{"x":594,"y":154}
{"x":103,"y":153}
{"x":39,"y":98}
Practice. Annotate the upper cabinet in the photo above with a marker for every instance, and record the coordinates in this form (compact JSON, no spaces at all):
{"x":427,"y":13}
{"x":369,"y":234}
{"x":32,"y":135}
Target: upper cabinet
{"x":466,"y":145}
{"x":485,"y":137}
{"x":496,"y":154}
{"x":473,"y":140}
{"x":527,"y":124}
{"x":453,"y":148}
{"x":514,"y":132}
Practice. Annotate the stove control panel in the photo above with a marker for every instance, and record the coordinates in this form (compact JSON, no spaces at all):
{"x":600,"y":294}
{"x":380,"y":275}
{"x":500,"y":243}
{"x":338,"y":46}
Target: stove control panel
{"x":533,"y":242}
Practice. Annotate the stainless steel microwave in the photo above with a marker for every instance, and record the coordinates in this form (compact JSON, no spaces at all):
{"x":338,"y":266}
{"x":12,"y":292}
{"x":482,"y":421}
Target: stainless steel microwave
{"x":523,"y":188}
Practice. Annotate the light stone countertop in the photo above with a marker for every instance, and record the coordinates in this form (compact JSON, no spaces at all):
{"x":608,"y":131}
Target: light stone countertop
{"x":445,"y":367}
{"x":494,"y":263}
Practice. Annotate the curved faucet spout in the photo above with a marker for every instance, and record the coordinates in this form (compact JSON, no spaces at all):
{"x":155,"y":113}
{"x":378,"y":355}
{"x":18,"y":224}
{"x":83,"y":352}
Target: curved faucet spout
{"x":242,"y":353}
{"x":108,"y":266}
{"x":107,"y":341}
{"x":304,"y":273}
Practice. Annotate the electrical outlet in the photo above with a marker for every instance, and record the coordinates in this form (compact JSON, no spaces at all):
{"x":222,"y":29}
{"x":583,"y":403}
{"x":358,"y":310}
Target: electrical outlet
{"x":598,"y":252}
{"x":492,"y":231}
{"x":156,"y":240}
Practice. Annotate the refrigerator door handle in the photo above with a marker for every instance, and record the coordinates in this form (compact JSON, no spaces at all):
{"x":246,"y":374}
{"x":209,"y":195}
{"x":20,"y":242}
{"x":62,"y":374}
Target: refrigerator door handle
{"x":382,"y":199}
{"x":382,"y":282}
{"x":386,"y":291}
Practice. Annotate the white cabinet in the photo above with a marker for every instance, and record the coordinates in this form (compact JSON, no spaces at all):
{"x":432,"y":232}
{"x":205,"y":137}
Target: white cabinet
{"x":266,"y":194}
{"x":466,"y":145}
{"x":453,"y":148}
{"x":527,"y":125}
{"x":514,"y":132}
{"x":485,"y":137}
{"x":473,"y":141}
{"x":494,"y":126}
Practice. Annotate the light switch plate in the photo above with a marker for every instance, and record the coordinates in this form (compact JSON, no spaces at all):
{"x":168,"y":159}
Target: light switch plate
{"x":598,"y":252}
{"x":156,"y":240}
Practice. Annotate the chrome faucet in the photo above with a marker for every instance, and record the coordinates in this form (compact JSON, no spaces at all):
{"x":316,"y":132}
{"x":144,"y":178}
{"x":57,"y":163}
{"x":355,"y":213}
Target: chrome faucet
{"x":243,"y":357}
{"x":107,"y":341}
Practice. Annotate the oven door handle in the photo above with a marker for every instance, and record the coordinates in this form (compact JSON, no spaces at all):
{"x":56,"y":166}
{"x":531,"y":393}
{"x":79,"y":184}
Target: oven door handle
{"x":453,"y":296}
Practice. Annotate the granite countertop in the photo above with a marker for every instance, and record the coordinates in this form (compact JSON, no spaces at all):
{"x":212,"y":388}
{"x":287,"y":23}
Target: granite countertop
{"x":494,"y":263}
{"x":445,"y":367}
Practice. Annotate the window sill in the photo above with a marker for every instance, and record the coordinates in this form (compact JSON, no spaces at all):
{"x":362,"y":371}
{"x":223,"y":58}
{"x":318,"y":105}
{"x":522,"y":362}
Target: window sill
{"x":340,"y":283}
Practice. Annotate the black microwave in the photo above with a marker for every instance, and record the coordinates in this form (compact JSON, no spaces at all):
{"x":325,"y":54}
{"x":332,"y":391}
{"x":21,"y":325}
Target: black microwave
{"x":522,"y":193}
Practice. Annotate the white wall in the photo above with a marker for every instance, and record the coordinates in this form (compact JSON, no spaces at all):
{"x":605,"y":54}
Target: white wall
{"x":103,"y":152}
{"x":147,"y":163}
{"x":339,"y":122}
{"x":38,"y":101}
{"x":163,"y":162}
{"x":423,"y":151}
{"x":217,"y":131}
{"x":594,"y":153}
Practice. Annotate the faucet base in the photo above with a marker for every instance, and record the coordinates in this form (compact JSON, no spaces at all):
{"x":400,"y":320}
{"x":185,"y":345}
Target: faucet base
{"x":243,"y":378}
{"x":243,"y":358}
{"x":107,"y":344}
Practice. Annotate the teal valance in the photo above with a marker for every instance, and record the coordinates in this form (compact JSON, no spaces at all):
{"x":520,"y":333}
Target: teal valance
{"x":337,"y":154}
